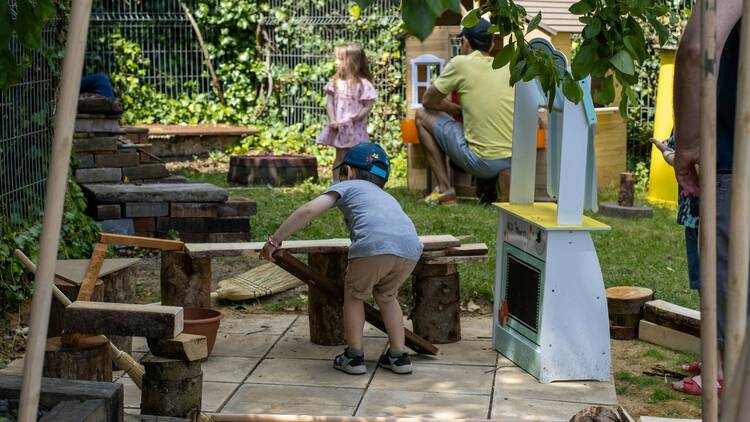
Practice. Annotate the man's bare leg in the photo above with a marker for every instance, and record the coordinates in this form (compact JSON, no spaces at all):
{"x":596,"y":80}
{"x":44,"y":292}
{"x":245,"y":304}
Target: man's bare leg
{"x":426,"y":120}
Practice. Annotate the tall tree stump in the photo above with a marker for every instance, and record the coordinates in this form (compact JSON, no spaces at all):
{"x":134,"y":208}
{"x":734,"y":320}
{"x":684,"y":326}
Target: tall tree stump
{"x":185,"y":281}
{"x":627,"y":190}
{"x":437,"y":303}
{"x":326,"y":313}
{"x":119,"y":287}
{"x":57,"y":310}
{"x":171,"y":387}
{"x":625,"y":304}
{"x":89,"y":360}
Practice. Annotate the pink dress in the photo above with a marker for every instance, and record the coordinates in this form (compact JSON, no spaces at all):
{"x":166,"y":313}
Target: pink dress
{"x":348,"y":101}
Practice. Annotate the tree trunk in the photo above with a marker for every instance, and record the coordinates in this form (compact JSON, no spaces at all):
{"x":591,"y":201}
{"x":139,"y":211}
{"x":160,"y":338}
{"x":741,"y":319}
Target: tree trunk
{"x":325,"y":313}
{"x":625,"y":305}
{"x":627,"y":190}
{"x":171,"y":388}
{"x":437,"y":305}
{"x":185,"y":281}
{"x":57,"y":310}
{"x":89,"y":360}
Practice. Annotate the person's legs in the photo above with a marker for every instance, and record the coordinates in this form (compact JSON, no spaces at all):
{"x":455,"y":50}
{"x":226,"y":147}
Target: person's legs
{"x":426,"y":121}
{"x":386,"y":295}
{"x":340,"y":153}
{"x":393,"y":319}
{"x":354,"y":321}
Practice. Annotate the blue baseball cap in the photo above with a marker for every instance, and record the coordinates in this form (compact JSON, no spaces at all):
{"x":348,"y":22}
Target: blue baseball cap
{"x":365,"y":156}
{"x":479,"y":33}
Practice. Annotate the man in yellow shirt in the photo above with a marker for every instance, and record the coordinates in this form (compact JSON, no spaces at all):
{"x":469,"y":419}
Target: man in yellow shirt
{"x":482,"y":144}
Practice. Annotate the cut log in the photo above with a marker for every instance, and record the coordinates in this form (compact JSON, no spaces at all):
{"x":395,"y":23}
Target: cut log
{"x":171,"y":387}
{"x":427,"y":270}
{"x":185,"y":281}
{"x":673,"y":316}
{"x":625,"y":305}
{"x":124,"y":319}
{"x":187,"y":347}
{"x":298,"y":269}
{"x":437,"y":309}
{"x":57,"y":309}
{"x":325,"y":312}
{"x":627,"y":190}
{"x":89,"y":360}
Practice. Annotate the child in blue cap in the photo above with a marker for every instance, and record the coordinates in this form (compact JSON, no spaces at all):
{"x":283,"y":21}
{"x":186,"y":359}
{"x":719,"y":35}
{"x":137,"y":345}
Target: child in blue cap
{"x":384,"y":251}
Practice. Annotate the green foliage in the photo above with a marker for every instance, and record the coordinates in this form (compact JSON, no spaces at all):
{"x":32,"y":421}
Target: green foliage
{"x":26,"y":27}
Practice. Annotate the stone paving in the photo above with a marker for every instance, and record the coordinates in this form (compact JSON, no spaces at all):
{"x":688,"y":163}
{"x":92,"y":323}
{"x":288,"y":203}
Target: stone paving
{"x":267,"y":364}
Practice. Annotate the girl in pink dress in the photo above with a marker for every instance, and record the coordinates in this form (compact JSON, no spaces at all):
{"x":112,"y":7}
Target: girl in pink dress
{"x":349,"y":100}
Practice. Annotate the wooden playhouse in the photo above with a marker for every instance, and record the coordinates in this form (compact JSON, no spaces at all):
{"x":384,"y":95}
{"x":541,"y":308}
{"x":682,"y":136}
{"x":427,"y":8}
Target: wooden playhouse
{"x":425,"y":60}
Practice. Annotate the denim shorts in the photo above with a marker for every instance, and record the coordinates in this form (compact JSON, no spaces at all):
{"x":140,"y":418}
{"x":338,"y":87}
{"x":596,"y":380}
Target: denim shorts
{"x":449,"y":135}
{"x":693,"y":258}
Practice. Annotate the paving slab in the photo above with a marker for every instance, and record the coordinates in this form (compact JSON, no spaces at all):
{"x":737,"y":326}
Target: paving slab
{"x":243,"y":345}
{"x":139,"y":344}
{"x":155,"y":192}
{"x":215,"y":394}
{"x":462,"y":379}
{"x":257,"y":324}
{"x":277,"y":399}
{"x":512,"y":410}
{"x":301,"y":327}
{"x":424,"y":405}
{"x":227,"y":369}
{"x":15,"y":368}
{"x":131,"y":393}
{"x":306,"y":372}
{"x":302,"y":347}
{"x":476,"y":328}
{"x":515,"y":383}
{"x":465,"y":353}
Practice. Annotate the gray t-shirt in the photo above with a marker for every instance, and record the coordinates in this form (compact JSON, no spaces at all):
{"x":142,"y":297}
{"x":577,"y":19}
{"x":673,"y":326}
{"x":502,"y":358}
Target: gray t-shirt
{"x":377,"y":224}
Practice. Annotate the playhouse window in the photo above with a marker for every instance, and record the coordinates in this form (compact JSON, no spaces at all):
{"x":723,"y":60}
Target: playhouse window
{"x":424,"y":70}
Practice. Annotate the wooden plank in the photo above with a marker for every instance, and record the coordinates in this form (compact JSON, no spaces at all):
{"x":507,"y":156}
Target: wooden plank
{"x":143,"y":242}
{"x":673,"y":316}
{"x":669,"y":338}
{"x":124,"y":319}
{"x":298,"y":269}
{"x":442,"y":260}
{"x":185,"y":347}
{"x":73,"y":270}
{"x":92,"y":272}
{"x":467,"y":249}
{"x":197,"y":250}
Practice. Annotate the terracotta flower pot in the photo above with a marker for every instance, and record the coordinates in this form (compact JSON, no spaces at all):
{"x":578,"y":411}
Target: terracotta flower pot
{"x":204,"y":322}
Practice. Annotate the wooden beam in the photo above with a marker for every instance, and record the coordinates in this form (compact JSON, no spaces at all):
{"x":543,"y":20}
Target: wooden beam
{"x":467,"y":249}
{"x":444,"y":260}
{"x":124,"y":319}
{"x":186,"y":347}
{"x":673,"y":316}
{"x":669,"y":338}
{"x":143,"y":242}
{"x":92,"y":272}
{"x":298,"y":269}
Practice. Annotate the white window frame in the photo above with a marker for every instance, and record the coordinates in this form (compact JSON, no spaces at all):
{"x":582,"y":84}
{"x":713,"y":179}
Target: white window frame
{"x":428,"y":60}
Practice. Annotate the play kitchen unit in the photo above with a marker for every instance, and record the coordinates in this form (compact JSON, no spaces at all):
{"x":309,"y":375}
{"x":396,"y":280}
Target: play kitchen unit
{"x":550,"y":308}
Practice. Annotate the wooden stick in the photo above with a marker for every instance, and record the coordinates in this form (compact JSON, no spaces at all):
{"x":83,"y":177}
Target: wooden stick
{"x":206,"y":55}
{"x":92,"y":272}
{"x":709,"y":349}
{"x":737,"y":387}
{"x":739,"y":240}
{"x":298,"y":269}
{"x":143,"y":242}
{"x":54,"y":201}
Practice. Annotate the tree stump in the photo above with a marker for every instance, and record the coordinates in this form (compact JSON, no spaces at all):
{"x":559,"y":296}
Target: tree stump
{"x":281,"y":170}
{"x":185,"y":281}
{"x":90,"y":360}
{"x":119,"y":287}
{"x":625,"y":304}
{"x":627,"y":190}
{"x":437,"y":306}
{"x":57,"y":310}
{"x":171,"y":387}
{"x":326,"y":313}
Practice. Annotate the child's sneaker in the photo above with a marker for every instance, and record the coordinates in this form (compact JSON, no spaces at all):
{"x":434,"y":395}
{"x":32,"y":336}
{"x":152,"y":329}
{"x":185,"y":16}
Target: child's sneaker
{"x":352,"y":365}
{"x":400,"y":364}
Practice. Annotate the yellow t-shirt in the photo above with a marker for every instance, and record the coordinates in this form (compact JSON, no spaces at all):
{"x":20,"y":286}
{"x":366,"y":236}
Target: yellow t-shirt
{"x":486,"y":103}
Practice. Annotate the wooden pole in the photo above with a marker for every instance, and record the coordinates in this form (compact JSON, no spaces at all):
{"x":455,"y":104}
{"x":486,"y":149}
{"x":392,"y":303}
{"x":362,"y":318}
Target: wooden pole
{"x":709,"y":349}
{"x":739,"y":239}
{"x":54,"y":201}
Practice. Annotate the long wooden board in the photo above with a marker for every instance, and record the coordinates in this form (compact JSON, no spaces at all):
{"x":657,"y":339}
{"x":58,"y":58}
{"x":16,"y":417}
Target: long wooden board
{"x":124,"y":319}
{"x":462,"y":259}
{"x":463,"y":250}
{"x":297,"y":268}
{"x":673,"y":316}
{"x":143,"y":242}
{"x":199,"y":250}
{"x":73,"y":270}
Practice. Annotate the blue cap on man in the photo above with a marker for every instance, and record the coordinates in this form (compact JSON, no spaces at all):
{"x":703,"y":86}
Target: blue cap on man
{"x":365,"y":157}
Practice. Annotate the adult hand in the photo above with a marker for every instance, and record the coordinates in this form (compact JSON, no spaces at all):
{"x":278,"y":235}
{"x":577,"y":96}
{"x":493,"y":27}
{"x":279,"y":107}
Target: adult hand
{"x":453,"y":109}
{"x":685,"y":162}
{"x":666,"y":151}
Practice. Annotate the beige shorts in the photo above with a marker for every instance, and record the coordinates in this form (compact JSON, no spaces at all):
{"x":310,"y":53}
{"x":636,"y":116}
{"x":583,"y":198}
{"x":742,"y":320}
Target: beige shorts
{"x":379,"y":275}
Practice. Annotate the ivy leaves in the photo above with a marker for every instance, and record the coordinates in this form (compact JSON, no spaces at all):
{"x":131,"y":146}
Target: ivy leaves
{"x":27,"y":25}
{"x":419,"y":15}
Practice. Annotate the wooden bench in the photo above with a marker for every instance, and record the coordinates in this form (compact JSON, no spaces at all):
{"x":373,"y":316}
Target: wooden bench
{"x":186,"y":281}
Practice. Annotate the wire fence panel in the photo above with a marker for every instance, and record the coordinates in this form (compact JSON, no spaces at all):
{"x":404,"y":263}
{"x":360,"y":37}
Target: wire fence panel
{"x":26,"y":118}
{"x":174,"y":61}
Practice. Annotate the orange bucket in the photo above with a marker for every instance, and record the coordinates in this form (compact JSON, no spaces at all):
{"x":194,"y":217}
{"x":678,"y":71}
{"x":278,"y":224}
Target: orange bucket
{"x":409,"y":131}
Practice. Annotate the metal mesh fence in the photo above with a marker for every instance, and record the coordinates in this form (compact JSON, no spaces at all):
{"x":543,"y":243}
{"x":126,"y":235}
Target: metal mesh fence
{"x":174,"y":63}
{"x":26,"y":117}
{"x":330,"y":21}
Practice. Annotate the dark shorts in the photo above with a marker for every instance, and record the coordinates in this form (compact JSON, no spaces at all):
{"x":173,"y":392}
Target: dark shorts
{"x":449,"y":135}
{"x":693,"y":259}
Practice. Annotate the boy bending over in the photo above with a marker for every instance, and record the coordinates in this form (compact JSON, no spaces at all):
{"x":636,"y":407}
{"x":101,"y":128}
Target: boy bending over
{"x":384,"y":250}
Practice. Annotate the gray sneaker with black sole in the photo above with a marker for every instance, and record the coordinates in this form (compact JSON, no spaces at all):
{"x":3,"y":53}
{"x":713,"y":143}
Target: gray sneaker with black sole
{"x":352,"y":365}
{"x":400,"y":364}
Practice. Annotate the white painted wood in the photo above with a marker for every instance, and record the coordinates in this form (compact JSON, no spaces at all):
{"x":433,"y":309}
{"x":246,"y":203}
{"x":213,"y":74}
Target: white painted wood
{"x":669,"y":338}
{"x":523,"y":162}
{"x":572,"y":185}
{"x":427,"y":60}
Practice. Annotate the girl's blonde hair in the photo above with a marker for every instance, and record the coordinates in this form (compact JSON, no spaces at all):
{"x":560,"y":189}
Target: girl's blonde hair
{"x":354,"y":66}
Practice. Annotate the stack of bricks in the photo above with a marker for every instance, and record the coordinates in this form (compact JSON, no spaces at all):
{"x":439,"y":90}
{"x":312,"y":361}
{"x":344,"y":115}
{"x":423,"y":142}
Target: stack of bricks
{"x":102,"y":155}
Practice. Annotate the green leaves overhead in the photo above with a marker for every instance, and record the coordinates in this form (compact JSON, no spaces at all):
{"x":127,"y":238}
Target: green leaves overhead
{"x":623,"y":62}
{"x":534,"y":22}
{"x":572,"y":89}
{"x":503,"y":57}
{"x":419,"y":15}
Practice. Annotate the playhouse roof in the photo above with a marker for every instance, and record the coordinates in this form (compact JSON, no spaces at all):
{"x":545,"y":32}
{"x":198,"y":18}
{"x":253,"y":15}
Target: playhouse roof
{"x":555,"y":15}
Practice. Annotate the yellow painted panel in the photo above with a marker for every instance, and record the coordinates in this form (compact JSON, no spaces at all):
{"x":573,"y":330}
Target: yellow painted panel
{"x":544,"y":214}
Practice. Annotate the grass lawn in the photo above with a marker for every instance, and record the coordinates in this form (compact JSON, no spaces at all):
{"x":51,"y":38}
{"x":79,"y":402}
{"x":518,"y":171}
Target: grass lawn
{"x":649,"y":253}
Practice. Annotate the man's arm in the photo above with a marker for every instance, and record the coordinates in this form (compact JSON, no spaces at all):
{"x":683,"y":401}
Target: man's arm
{"x":688,"y":75}
{"x":433,"y":99}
